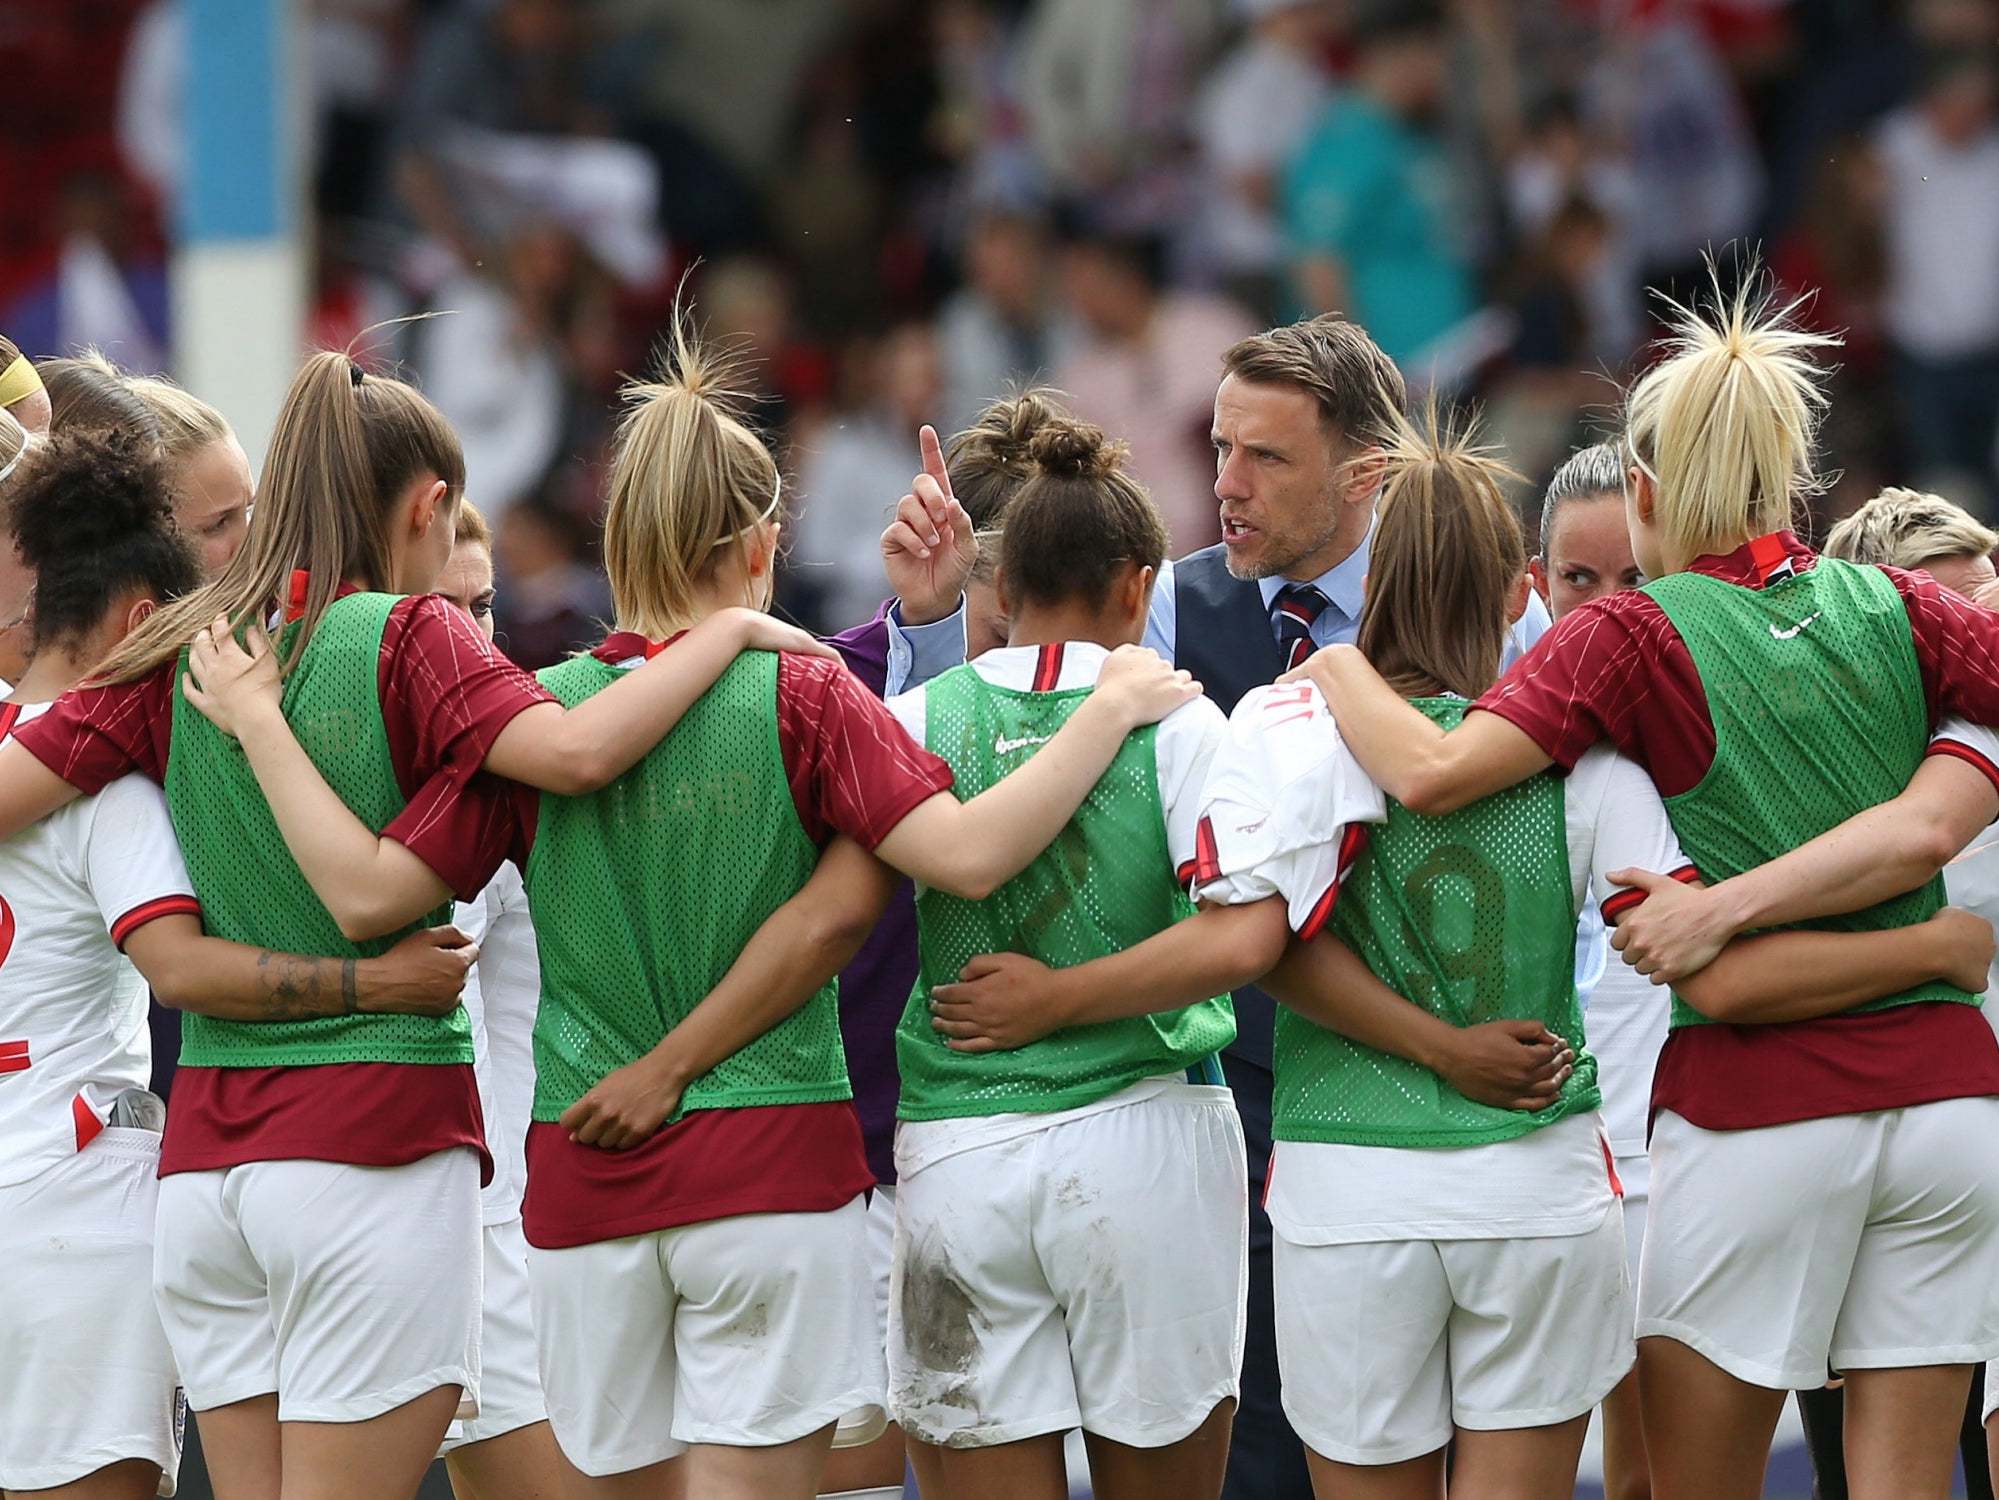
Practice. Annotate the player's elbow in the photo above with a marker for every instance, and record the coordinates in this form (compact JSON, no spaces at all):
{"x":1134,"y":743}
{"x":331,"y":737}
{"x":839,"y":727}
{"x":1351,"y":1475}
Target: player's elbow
{"x":1254,"y":941}
{"x":1427,"y":788}
{"x":363,"y":914}
{"x":1714,"y":997}
{"x":1927,"y":844}
{"x":173,"y":980}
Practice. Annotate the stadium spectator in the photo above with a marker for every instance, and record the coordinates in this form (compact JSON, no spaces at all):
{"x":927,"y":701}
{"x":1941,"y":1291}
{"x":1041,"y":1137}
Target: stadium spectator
{"x":1940,"y":156}
{"x":1003,"y":325}
{"x":1146,"y":370}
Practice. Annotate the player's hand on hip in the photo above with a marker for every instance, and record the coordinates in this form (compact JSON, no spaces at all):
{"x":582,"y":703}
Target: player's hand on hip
{"x":1964,"y":948}
{"x":425,"y":973}
{"x":930,"y":548}
{"x":1141,"y":687}
{"x":228,"y":680}
{"x":1675,"y":931}
{"x":625,"y":1109}
{"x":1509,"y":1064}
{"x":1002,"y":1001}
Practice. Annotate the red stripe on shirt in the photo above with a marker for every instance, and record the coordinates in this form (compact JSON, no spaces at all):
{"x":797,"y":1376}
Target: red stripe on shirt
{"x":152,"y":911}
{"x":88,"y":1126}
{"x":1968,"y":754}
{"x":14,"y":1057}
{"x":10,"y":714}
{"x":1207,"y":861}
{"x":1048,"y":667}
{"x":1631,"y":896}
{"x":1353,"y":839}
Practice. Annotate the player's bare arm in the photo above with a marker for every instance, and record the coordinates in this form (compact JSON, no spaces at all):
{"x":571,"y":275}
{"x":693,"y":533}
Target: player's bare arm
{"x":972,"y":848}
{"x":188,"y":970}
{"x":1414,"y":760}
{"x":800,"y":946}
{"x":1006,"y":1000}
{"x":1871,"y":857}
{"x":1506,"y":1064}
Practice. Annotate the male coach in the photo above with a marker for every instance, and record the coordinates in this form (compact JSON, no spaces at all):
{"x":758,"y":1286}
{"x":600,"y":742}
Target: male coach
{"x":1301,"y":412}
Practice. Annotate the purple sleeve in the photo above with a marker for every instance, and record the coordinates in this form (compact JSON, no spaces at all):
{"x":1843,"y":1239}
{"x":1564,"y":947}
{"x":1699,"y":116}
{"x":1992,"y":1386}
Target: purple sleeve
{"x":864,"y":648}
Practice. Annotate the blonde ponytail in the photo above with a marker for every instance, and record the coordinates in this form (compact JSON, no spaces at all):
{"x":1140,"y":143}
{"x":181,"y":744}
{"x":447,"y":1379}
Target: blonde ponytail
{"x":689,"y":478}
{"x":346,"y":446}
{"x":1726,"y":425}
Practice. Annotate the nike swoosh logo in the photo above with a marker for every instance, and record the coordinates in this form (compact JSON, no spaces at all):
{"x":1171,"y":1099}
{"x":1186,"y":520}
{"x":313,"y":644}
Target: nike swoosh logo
{"x":1005,"y":746}
{"x":1796,"y":630}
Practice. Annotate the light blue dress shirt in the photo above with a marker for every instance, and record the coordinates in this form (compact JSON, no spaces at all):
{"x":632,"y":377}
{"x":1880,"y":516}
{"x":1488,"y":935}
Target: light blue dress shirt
{"x":917,"y":653}
{"x":1344,"y":585}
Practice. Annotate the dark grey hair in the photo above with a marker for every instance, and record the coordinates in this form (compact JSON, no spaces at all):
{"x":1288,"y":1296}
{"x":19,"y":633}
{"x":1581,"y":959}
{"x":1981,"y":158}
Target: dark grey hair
{"x":1592,"y":471}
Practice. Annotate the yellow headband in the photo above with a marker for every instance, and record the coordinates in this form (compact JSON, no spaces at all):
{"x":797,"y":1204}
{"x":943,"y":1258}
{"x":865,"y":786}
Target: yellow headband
{"x":18,"y":380}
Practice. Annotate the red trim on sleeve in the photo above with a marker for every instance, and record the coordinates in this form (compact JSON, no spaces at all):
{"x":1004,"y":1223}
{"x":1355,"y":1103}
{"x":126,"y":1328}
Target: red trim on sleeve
{"x":1207,"y":861}
{"x":1184,"y":873}
{"x":1048,"y":667}
{"x":1632,"y":896}
{"x":1353,"y":839}
{"x":88,"y":1126}
{"x":152,"y":911}
{"x":9,"y":714}
{"x":14,"y":1057}
{"x":1967,"y":754}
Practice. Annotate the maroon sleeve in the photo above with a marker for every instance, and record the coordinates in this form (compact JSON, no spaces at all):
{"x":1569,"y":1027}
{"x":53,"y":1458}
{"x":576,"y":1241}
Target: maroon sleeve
{"x":853,"y":769}
{"x":466,"y":828}
{"x":94,"y":735}
{"x":1584,"y":681}
{"x":1957,"y":649}
{"x":446,"y":692}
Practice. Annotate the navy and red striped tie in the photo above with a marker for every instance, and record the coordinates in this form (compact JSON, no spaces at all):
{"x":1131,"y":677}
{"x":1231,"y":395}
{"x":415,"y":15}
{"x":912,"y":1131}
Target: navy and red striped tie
{"x":1297,"y":606}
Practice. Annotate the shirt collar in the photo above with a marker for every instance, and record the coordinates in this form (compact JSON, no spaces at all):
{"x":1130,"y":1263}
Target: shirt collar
{"x":628,"y":645}
{"x":301,"y":580}
{"x":1344,"y":584}
{"x":1757,"y":562}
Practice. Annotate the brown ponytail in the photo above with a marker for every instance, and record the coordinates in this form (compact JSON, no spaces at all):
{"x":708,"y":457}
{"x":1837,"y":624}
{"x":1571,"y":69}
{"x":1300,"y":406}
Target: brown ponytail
{"x":1077,"y":520}
{"x":346,"y":446}
{"x":1446,"y":558}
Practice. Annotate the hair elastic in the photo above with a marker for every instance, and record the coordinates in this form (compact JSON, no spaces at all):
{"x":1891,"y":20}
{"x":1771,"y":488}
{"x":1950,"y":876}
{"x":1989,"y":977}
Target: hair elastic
{"x":356,"y":374}
{"x":769,"y":510}
{"x":18,"y":380}
{"x":7,"y":469}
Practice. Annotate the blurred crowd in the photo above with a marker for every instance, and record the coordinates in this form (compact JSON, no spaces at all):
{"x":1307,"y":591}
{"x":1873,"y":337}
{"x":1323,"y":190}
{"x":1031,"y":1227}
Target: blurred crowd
{"x":900,"y":206}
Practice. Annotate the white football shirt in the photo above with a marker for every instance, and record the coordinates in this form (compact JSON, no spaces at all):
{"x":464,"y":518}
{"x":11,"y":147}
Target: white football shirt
{"x":1288,"y":819}
{"x":73,"y":1033}
{"x":502,"y":994}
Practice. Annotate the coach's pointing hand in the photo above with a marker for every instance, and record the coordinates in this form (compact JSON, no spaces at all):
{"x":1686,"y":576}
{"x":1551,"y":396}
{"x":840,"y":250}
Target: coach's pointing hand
{"x":930,"y":547}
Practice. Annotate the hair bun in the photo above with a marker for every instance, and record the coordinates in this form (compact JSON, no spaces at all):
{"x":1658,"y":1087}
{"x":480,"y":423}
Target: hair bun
{"x":86,"y":491}
{"x":1075,"y":450}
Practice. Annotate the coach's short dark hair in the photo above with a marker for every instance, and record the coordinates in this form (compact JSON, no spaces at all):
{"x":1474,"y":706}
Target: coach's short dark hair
{"x":1077,"y":520}
{"x":1359,"y":391}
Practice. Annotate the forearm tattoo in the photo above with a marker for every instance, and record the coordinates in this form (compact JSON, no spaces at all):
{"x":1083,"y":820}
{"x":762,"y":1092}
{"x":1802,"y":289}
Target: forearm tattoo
{"x":289,"y":987}
{"x":349,"y":997}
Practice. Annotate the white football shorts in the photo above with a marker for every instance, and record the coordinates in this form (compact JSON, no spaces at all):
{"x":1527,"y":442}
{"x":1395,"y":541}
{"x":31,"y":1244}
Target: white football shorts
{"x":509,"y":1372}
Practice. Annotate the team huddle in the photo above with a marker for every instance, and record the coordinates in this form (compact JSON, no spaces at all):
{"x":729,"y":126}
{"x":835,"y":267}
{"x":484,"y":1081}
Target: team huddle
{"x":1364,"y":995}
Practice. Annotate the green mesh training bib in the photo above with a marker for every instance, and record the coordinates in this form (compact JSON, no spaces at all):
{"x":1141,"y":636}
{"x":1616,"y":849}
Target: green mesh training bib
{"x":1471,"y":916}
{"x":252,"y":890}
{"x":644,"y":894}
{"x":1818,"y":712}
{"x":1103,"y":885}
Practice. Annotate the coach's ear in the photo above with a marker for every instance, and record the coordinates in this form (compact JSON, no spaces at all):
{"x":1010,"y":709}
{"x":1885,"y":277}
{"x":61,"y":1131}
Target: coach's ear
{"x":1516,"y":604}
